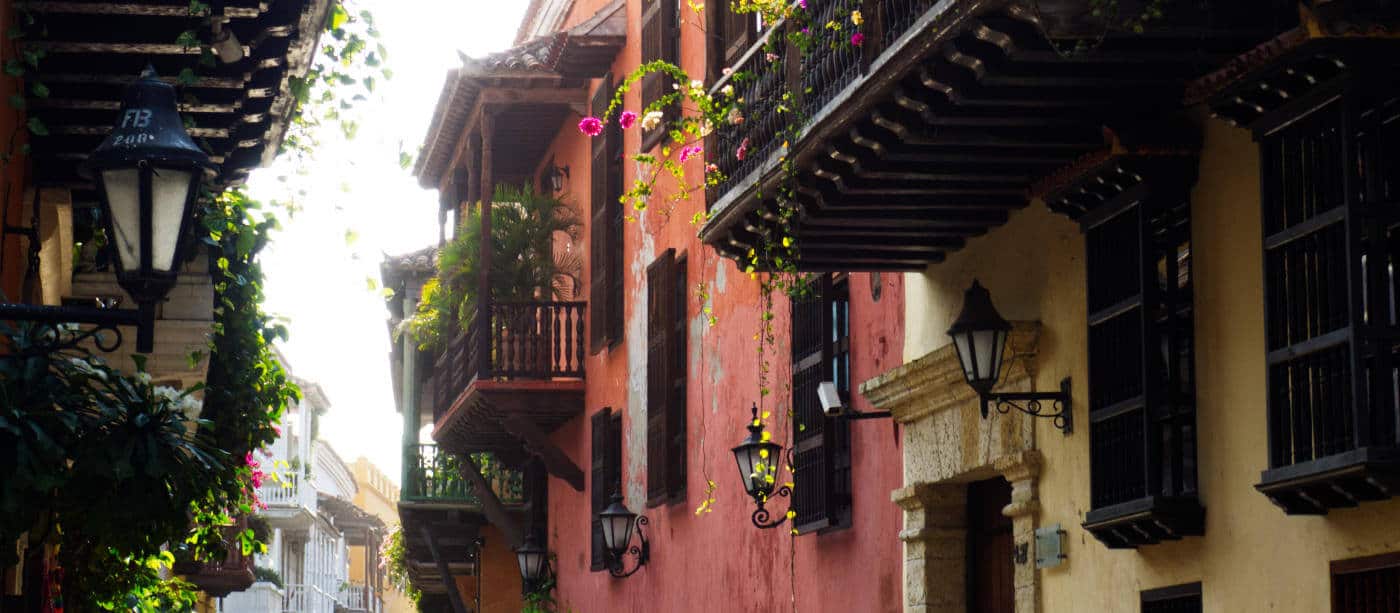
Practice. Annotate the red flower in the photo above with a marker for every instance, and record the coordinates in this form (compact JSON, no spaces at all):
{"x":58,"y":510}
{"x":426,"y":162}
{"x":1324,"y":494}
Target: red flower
{"x":627,"y":119}
{"x":743,"y":150}
{"x":857,"y":39}
{"x":591,"y":126}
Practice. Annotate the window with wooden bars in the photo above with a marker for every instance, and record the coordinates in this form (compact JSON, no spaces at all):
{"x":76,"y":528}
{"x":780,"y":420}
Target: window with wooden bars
{"x":605,"y":283}
{"x":1366,"y":585}
{"x":666,"y":378}
{"x":1174,"y":599}
{"x":1141,"y":366}
{"x":731,"y":33}
{"x":821,"y":447}
{"x":1331,"y":194}
{"x":660,"y":41}
{"x":605,"y":476}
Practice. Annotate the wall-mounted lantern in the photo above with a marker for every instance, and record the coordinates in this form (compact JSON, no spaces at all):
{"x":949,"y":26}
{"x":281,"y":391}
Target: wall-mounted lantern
{"x":534,"y":563}
{"x":557,"y":175}
{"x":148,"y":173}
{"x":979,"y":336}
{"x":758,"y":468}
{"x":618,"y":525}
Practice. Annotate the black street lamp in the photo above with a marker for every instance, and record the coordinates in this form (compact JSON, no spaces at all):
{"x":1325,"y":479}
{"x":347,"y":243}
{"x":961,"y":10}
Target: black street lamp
{"x":618,"y":524}
{"x":758,"y":468}
{"x":148,"y":173}
{"x":534,"y":563}
{"x":979,"y":336}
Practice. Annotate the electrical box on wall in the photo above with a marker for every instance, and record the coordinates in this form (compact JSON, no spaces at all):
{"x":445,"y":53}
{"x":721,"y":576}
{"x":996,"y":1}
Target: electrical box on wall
{"x":1049,"y":543}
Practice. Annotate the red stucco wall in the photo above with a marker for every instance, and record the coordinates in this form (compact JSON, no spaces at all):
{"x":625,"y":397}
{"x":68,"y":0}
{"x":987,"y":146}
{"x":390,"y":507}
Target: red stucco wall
{"x":12,"y":258}
{"x":719,"y":561}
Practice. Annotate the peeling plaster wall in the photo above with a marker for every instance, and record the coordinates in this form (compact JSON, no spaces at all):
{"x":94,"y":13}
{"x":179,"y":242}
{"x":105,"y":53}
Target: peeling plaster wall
{"x":719,"y":560}
{"x":1252,"y":557}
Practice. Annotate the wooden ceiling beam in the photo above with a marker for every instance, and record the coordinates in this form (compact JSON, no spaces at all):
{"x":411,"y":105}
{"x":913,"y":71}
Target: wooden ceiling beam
{"x":139,"y":9}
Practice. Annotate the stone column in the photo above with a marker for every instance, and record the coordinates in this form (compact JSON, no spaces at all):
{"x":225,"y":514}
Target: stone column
{"x":935,"y":547}
{"x":1022,"y":470}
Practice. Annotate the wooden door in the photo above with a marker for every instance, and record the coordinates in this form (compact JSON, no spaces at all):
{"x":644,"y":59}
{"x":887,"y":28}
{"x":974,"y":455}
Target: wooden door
{"x":990,"y":570}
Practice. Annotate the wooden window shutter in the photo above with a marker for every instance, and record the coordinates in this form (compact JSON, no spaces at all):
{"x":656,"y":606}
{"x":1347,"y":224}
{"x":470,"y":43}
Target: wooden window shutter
{"x":616,"y":224}
{"x":660,"y":41}
{"x":1174,"y":599}
{"x":600,"y":485}
{"x":739,"y":31}
{"x":675,"y":409}
{"x":659,"y":304}
{"x":600,"y":222}
{"x":821,"y":447}
{"x":1366,"y":585}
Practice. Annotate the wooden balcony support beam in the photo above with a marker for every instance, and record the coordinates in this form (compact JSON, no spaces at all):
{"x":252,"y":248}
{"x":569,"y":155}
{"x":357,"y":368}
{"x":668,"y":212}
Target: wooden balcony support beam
{"x":556,"y":462}
{"x":448,"y":583}
{"x":491,"y":505}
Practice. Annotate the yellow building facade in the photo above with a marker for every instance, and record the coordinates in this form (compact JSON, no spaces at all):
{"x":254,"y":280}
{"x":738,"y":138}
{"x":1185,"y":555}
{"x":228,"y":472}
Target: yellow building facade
{"x":378,"y":496}
{"x":1251,"y":557}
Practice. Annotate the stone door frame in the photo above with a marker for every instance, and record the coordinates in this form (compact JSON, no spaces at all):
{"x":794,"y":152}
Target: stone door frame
{"x":930,"y":399}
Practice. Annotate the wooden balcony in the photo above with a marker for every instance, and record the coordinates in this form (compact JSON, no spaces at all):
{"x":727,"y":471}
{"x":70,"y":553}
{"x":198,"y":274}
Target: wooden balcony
{"x":512,"y":377}
{"x":949,"y":117}
{"x":220,"y":578}
{"x":442,"y":514}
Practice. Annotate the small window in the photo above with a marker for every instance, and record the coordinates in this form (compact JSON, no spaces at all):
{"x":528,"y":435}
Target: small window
{"x":821,"y":448}
{"x":1366,"y":585}
{"x":606,"y":476}
{"x":1175,"y":599}
{"x":666,"y":378}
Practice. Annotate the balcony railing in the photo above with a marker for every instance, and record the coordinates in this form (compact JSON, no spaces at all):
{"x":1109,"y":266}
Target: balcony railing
{"x":360,"y":598}
{"x":814,"y":78}
{"x":523,"y":340}
{"x":436,"y":476}
{"x":290,"y":492}
{"x":301,"y":598}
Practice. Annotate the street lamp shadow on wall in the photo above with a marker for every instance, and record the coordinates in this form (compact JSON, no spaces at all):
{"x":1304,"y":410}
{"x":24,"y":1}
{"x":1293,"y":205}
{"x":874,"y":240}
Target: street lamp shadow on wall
{"x":148,"y":173}
{"x":619,"y":524}
{"x":979,"y":336}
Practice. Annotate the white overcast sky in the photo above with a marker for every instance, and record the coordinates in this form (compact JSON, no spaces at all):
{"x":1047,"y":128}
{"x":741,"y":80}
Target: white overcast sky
{"x":318,"y":281}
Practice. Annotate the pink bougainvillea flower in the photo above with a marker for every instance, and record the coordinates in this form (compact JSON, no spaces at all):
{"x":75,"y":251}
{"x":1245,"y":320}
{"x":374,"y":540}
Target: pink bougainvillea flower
{"x":690,"y":152}
{"x":711,"y":168}
{"x":278,"y":429}
{"x":771,"y":57}
{"x":627,"y":119}
{"x":806,"y":30}
{"x":857,"y":39}
{"x":802,"y":3}
{"x":743,"y":150}
{"x":591,"y":126}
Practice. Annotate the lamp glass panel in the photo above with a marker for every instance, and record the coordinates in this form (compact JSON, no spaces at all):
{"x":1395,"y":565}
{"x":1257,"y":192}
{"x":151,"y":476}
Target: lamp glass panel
{"x":530,"y":564}
{"x":170,"y":191}
{"x":617,"y":531}
{"x":745,"y":456}
{"x":962,"y":341}
{"x":124,"y":202}
{"x":987,"y":347}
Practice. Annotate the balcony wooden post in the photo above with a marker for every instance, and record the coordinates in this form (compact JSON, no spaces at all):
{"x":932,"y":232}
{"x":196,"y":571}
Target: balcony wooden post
{"x":484,"y":308}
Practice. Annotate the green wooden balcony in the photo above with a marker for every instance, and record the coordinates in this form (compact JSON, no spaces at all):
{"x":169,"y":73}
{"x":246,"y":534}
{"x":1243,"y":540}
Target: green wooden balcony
{"x":435,"y":476}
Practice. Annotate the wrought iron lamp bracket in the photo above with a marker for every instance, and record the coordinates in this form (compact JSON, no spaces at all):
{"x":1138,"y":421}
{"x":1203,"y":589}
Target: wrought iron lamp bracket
{"x":761,"y":516}
{"x":55,"y":329}
{"x":641,"y":552}
{"x":1033,"y":404}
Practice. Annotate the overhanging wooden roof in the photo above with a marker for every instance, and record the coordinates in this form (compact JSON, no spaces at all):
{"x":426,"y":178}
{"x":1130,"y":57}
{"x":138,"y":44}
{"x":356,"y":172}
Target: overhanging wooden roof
{"x":92,"y":50}
{"x":564,"y":60}
{"x":951,"y":127}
